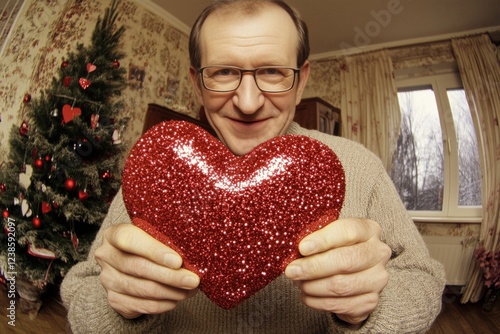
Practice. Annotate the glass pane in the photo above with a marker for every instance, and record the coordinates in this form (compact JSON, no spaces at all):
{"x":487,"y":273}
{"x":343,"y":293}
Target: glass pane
{"x":469,"y":167}
{"x":418,"y":163}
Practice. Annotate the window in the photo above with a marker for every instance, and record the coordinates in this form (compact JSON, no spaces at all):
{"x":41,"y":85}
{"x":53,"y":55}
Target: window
{"x":436,"y":166}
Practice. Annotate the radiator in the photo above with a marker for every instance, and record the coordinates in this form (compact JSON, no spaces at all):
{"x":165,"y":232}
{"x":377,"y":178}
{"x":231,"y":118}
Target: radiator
{"x":455,"y":253}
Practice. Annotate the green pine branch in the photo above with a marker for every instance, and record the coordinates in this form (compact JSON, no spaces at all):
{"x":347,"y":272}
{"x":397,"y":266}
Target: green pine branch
{"x":58,"y":148}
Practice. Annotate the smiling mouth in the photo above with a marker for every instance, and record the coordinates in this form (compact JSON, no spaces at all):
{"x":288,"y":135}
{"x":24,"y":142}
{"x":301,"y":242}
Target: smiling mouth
{"x":249,"y":122}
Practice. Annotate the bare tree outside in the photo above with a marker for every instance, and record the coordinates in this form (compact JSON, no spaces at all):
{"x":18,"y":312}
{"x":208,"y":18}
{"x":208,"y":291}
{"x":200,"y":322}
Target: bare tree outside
{"x":418,"y":162}
{"x":469,"y":165}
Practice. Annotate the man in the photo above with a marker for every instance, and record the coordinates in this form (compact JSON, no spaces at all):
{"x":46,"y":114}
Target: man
{"x":370,"y":273}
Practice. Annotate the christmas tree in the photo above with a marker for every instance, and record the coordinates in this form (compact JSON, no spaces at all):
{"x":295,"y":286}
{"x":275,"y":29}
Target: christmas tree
{"x":64,"y":164}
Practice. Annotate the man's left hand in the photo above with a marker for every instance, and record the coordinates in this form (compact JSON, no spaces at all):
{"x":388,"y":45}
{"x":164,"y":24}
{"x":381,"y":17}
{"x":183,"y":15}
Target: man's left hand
{"x":343,"y":269}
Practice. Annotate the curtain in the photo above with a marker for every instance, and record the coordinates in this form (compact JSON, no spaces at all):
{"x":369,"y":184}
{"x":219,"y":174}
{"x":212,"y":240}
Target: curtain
{"x":370,"y":109}
{"x":480,"y":72}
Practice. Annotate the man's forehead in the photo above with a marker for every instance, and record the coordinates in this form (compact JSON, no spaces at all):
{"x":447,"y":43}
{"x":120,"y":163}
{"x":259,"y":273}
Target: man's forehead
{"x":271,"y":26}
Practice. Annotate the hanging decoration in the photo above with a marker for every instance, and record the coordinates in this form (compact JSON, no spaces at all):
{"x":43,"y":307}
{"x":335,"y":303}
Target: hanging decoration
{"x":70,"y":112}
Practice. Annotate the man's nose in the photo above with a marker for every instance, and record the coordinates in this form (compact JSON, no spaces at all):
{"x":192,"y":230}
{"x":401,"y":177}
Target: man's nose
{"x":248,"y":97}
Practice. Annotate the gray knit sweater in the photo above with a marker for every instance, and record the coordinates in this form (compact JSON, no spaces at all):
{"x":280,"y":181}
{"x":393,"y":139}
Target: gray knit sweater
{"x":409,"y":303}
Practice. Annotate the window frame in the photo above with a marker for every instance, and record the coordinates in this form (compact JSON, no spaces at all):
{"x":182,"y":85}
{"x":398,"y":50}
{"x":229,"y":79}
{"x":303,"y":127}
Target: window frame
{"x":451,"y":212}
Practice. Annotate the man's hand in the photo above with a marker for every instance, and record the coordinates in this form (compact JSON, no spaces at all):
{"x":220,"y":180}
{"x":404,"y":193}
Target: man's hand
{"x":141,"y":274}
{"x":343,"y":269}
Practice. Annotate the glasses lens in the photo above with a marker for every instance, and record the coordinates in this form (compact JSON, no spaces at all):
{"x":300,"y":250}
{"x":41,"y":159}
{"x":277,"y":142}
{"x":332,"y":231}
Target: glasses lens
{"x":268,"y":79}
{"x":221,"y":78}
{"x":275,"y":79}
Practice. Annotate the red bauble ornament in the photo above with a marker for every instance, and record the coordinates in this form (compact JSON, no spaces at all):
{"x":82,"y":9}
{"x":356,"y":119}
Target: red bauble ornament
{"x":27,"y":98}
{"x":70,"y":184}
{"x":106,"y":175}
{"x":64,"y":64}
{"x":5,"y":213}
{"x":23,"y":130}
{"x":38,"y":163}
{"x":37,"y":222}
{"x":48,"y":158}
{"x":2,"y":187}
{"x":116,"y":63}
{"x":55,"y":205}
{"x":83,"y":195}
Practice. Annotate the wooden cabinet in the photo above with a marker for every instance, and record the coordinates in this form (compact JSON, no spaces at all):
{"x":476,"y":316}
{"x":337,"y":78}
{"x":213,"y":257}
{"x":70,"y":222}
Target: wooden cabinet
{"x":317,"y":114}
{"x":156,"y":114}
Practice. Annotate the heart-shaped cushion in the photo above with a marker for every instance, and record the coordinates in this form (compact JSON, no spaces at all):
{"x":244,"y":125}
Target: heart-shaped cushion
{"x":236,"y":221}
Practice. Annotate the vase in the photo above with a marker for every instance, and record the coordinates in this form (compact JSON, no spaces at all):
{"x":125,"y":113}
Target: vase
{"x":490,"y":298}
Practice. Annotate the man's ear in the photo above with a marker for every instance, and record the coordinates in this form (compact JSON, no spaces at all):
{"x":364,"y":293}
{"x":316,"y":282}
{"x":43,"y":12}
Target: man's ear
{"x":195,"y":81}
{"x":303,"y":76}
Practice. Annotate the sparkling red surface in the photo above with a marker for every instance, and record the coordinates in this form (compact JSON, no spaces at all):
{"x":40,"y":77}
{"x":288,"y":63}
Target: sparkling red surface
{"x":236,"y":221}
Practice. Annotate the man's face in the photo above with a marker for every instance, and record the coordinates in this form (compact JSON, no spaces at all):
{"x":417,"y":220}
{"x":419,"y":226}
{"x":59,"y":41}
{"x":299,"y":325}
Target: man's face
{"x":248,"y":117}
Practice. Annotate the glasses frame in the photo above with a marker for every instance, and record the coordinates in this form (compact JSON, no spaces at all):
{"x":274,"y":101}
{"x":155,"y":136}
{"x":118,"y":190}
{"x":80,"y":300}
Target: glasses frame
{"x":254,"y":74}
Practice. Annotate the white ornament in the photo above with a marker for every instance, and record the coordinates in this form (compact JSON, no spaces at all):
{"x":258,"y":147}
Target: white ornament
{"x":25,"y":208}
{"x":25,"y":178}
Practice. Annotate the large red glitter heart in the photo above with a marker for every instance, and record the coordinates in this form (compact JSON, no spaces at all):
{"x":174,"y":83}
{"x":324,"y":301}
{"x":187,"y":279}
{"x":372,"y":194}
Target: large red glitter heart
{"x":236,"y":221}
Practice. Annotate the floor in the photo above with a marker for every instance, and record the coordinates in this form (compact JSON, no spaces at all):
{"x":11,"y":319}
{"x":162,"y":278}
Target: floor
{"x":470,"y":318}
{"x":51,"y":318}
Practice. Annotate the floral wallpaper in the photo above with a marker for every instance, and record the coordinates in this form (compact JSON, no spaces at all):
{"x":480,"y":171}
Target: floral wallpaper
{"x":157,"y":62}
{"x":47,"y":30}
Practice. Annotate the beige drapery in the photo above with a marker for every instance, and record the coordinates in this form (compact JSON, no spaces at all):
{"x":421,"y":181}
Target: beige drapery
{"x":370,"y":108}
{"x":480,"y":72}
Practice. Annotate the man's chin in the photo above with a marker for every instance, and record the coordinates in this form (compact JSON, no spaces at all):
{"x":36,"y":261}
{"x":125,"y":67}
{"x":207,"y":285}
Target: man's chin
{"x":242,"y":147}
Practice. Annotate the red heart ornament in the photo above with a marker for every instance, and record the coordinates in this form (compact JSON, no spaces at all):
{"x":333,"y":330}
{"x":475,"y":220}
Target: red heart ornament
{"x":94,"y":121}
{"x":46,"y":207}
{"x":83,"y":195}
{"x":67,"y":81}
{"x":91,"y":67}
{"x":236,"y":221}
{"x":69,"y":113}
{"x":84,"y":83}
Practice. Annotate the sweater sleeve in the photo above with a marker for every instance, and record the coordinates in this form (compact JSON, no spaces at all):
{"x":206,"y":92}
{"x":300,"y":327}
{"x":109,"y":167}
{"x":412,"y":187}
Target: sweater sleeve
{"x":412,"y":298}
{"x":85,"y":298}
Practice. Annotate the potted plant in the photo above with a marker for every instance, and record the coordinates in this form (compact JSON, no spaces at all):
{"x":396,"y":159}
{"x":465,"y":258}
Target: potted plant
{"x":489,"y":261}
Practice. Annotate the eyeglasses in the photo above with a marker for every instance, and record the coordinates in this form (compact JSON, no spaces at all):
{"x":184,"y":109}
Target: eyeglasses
{"x":269,"y":79}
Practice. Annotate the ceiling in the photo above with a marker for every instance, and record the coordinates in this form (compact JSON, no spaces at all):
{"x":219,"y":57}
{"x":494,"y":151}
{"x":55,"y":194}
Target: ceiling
{"x":337,"y":25}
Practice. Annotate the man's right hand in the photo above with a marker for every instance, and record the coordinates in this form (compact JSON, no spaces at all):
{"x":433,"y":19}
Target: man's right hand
{"x":140,"y":274}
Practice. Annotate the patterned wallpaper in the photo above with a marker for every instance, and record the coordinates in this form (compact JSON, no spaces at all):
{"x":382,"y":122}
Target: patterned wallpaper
{"x":49,"y":29}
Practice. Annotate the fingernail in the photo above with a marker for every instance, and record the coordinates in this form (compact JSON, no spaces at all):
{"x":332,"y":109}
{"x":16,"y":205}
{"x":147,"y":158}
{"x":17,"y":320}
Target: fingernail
{"x":173,"y":261}
{"x":190,"y":282}
{"x":293,"y":272}
{"x":307,"y":247}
